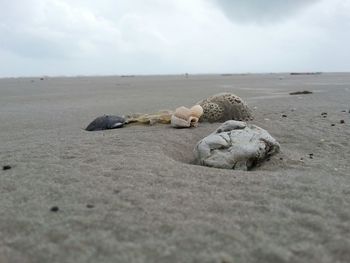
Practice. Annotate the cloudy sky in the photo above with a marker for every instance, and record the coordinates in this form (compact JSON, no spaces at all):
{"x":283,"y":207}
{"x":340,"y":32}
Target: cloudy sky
{"x":103,"y":37}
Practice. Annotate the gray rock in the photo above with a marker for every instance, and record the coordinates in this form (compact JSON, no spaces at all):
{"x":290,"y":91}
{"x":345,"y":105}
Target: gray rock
{"x":235,"y":145}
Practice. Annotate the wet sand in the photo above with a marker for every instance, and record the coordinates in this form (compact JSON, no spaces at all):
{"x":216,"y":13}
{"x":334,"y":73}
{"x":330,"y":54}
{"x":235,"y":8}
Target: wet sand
{"x":133,"y":195}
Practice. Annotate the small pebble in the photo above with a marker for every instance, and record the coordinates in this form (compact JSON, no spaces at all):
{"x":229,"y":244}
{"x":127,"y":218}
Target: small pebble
{"x":284,"y":115}
{"x":90,"y":206}
{"x":311,"y":155}
{"x":342,"y":121}
{"x":281,"y":158}
{"x":332,"y":124}
{"x":6,"y":167}
{"x":301,"y":159}
{"x":54,"y":209}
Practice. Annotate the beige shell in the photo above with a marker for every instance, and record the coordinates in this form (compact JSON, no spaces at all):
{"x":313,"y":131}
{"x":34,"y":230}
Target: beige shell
{"x":183,"y":113}
{"x":197,"y":111}
{"x":184,"y":117}
{"x":193,"y":121}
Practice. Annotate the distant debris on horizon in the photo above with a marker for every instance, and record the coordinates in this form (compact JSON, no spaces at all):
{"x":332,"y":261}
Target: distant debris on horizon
{"x":300,"y":92}
{"x":305,"y":73}
{"x":226,"y":74}
{"x":233,"y":74}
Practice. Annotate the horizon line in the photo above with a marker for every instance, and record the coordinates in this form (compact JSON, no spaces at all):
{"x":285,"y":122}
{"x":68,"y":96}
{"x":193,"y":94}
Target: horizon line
{"x":176,"y":74}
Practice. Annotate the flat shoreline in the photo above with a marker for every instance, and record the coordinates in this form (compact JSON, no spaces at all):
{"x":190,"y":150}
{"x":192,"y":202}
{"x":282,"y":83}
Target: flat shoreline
{"x":133,"y":195}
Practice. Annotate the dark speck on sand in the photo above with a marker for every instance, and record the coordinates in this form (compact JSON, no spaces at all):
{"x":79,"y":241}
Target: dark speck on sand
{"x":54,"y":209}
{"x":6,"y":167}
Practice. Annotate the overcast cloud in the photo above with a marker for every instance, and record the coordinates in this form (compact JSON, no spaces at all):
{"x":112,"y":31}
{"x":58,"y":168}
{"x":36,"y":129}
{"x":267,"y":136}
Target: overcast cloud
{"x":83,"y":37}
{"x":258,"y":11}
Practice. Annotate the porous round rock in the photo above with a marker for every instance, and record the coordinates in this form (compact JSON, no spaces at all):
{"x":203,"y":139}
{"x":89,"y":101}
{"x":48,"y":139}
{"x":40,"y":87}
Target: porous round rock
{"x":225,"y":106}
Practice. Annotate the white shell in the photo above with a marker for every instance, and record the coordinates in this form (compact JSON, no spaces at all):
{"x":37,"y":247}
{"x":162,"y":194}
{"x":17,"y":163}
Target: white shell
{"x":179,"y":123}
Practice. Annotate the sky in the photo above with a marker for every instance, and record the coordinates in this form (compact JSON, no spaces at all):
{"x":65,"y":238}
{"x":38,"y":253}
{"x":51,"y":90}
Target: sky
{"x":115,"y":37}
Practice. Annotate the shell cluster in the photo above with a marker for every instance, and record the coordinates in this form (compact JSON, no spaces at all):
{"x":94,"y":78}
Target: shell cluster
{"x":217,"y":108}
{"x":184,"y":117}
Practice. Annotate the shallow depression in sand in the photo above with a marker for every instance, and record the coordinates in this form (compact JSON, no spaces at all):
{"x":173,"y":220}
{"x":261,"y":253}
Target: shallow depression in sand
{"x":180,"y":151}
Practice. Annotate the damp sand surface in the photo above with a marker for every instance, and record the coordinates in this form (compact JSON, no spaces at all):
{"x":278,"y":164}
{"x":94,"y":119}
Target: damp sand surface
{"x":133,"y":194}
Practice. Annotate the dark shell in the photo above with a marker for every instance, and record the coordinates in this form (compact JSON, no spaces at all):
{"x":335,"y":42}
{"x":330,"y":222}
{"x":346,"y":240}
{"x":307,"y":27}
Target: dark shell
{"x":106,"y":122}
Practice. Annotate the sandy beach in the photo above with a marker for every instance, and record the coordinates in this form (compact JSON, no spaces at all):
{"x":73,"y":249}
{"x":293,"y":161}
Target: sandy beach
{"x":133,"y":194}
